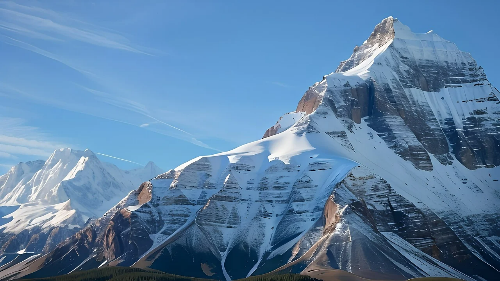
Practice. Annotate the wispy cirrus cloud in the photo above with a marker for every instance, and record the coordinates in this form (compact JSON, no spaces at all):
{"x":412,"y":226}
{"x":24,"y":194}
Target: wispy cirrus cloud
{"x":46,"y":33}
{"x":7,"y":155}
{"x":23,"y":150}
{"x":17,"y":139}
{"x":42,"y":52}
{"x":22,"y":30}
{"x":141,"y":109}
{"x":29,"y":141}
{"x":19,"y":145}
{"x":43,"y":24}
{"x":127,"y":106}
{"x":6,"y":166}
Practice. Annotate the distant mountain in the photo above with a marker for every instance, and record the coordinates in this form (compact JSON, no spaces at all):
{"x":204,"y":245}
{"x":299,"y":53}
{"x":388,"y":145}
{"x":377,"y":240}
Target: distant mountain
{"x":43,"y":203}
{"x":18,"y":175}
{"x":388,"y":169}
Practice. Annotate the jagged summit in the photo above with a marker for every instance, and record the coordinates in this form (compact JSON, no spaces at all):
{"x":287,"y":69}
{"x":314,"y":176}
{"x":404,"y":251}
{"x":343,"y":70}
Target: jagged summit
{"x":388,"y":29}
{"x":65,"y":154}
{"x":387,"y":32}
{"x":382,"y":34}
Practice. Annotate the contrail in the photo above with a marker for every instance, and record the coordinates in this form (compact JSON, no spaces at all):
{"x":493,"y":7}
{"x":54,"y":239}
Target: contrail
{"x":159,"y":121}
{"x":121,"y":159}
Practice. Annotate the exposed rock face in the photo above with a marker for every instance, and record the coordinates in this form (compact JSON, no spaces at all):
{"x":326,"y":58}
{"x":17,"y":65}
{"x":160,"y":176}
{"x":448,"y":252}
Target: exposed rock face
{"x":389,"y":171}
{"x":286,"y":121}
{"x":422,"y":95}
{"x":381,"y":35}
{"x":271,"y":131}
{"x":371,"y":205}
{"x":312,"y":98}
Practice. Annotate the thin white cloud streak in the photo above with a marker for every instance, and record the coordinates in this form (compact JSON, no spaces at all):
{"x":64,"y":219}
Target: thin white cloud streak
{"x":173,"y":127}
{"x":191,"y":140}
{"x":135,"y":109}
{"x":7,"y":155}
{"x":30,"y":33}
{"x":24,"y":23}
{"x":16,"y":126}
{"x":21,"y":44}
{"x":31,"y":9}
{"x":32,"y":22}
{"x":8,"y":166}
{"x":141,"y":109}
{"x":16,"y":149}
{"x":133,"y":106}
{"x":23,"y":140}
{"x":117,"y":158}
{"x":144,"y":125}
{"x":28,"y":143}
{"x":118,"y":102}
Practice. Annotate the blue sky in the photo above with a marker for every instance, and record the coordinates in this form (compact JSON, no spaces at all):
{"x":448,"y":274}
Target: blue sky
{"x":171,"y":80}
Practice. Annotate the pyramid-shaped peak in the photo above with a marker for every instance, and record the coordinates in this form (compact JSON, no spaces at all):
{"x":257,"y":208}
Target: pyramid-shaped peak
{"x":152,"y":166}
{"x":153,"y":169}
{"x":385,"y":33}
{"x":382,"y":33}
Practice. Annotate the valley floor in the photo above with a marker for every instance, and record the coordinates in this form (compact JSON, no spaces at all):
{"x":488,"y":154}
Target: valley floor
{"x":133,"y":274}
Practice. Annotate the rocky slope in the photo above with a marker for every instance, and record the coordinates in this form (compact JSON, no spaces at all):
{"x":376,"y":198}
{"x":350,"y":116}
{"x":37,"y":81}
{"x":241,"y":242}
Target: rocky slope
{"x":43,"y":203}
{"x":389,"y":169}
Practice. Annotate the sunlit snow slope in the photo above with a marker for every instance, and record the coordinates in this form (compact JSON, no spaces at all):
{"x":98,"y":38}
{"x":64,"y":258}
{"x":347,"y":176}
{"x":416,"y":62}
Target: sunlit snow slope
{"x":42,"y":203}
{"x":388,"y":169}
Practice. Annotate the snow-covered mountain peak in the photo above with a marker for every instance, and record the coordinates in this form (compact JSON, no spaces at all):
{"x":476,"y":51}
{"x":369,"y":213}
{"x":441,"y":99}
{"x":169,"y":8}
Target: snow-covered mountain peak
{"x":17,"y":176}
{"x":62,"y":165}
{"x":151,"y":166}
{"x":382,"y":35}
{"x":76,"y":178}
{"x":389,"y":167}
{"x":148,"y":172}
{"x":65,"y":154}
{"x":402,"y":31}
{"x":408,"y":86}
{"x":392,"y":32}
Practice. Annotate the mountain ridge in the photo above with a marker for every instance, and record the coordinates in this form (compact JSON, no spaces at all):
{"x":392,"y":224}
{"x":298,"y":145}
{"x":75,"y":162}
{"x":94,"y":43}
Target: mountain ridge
{"x":392,"y":171}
